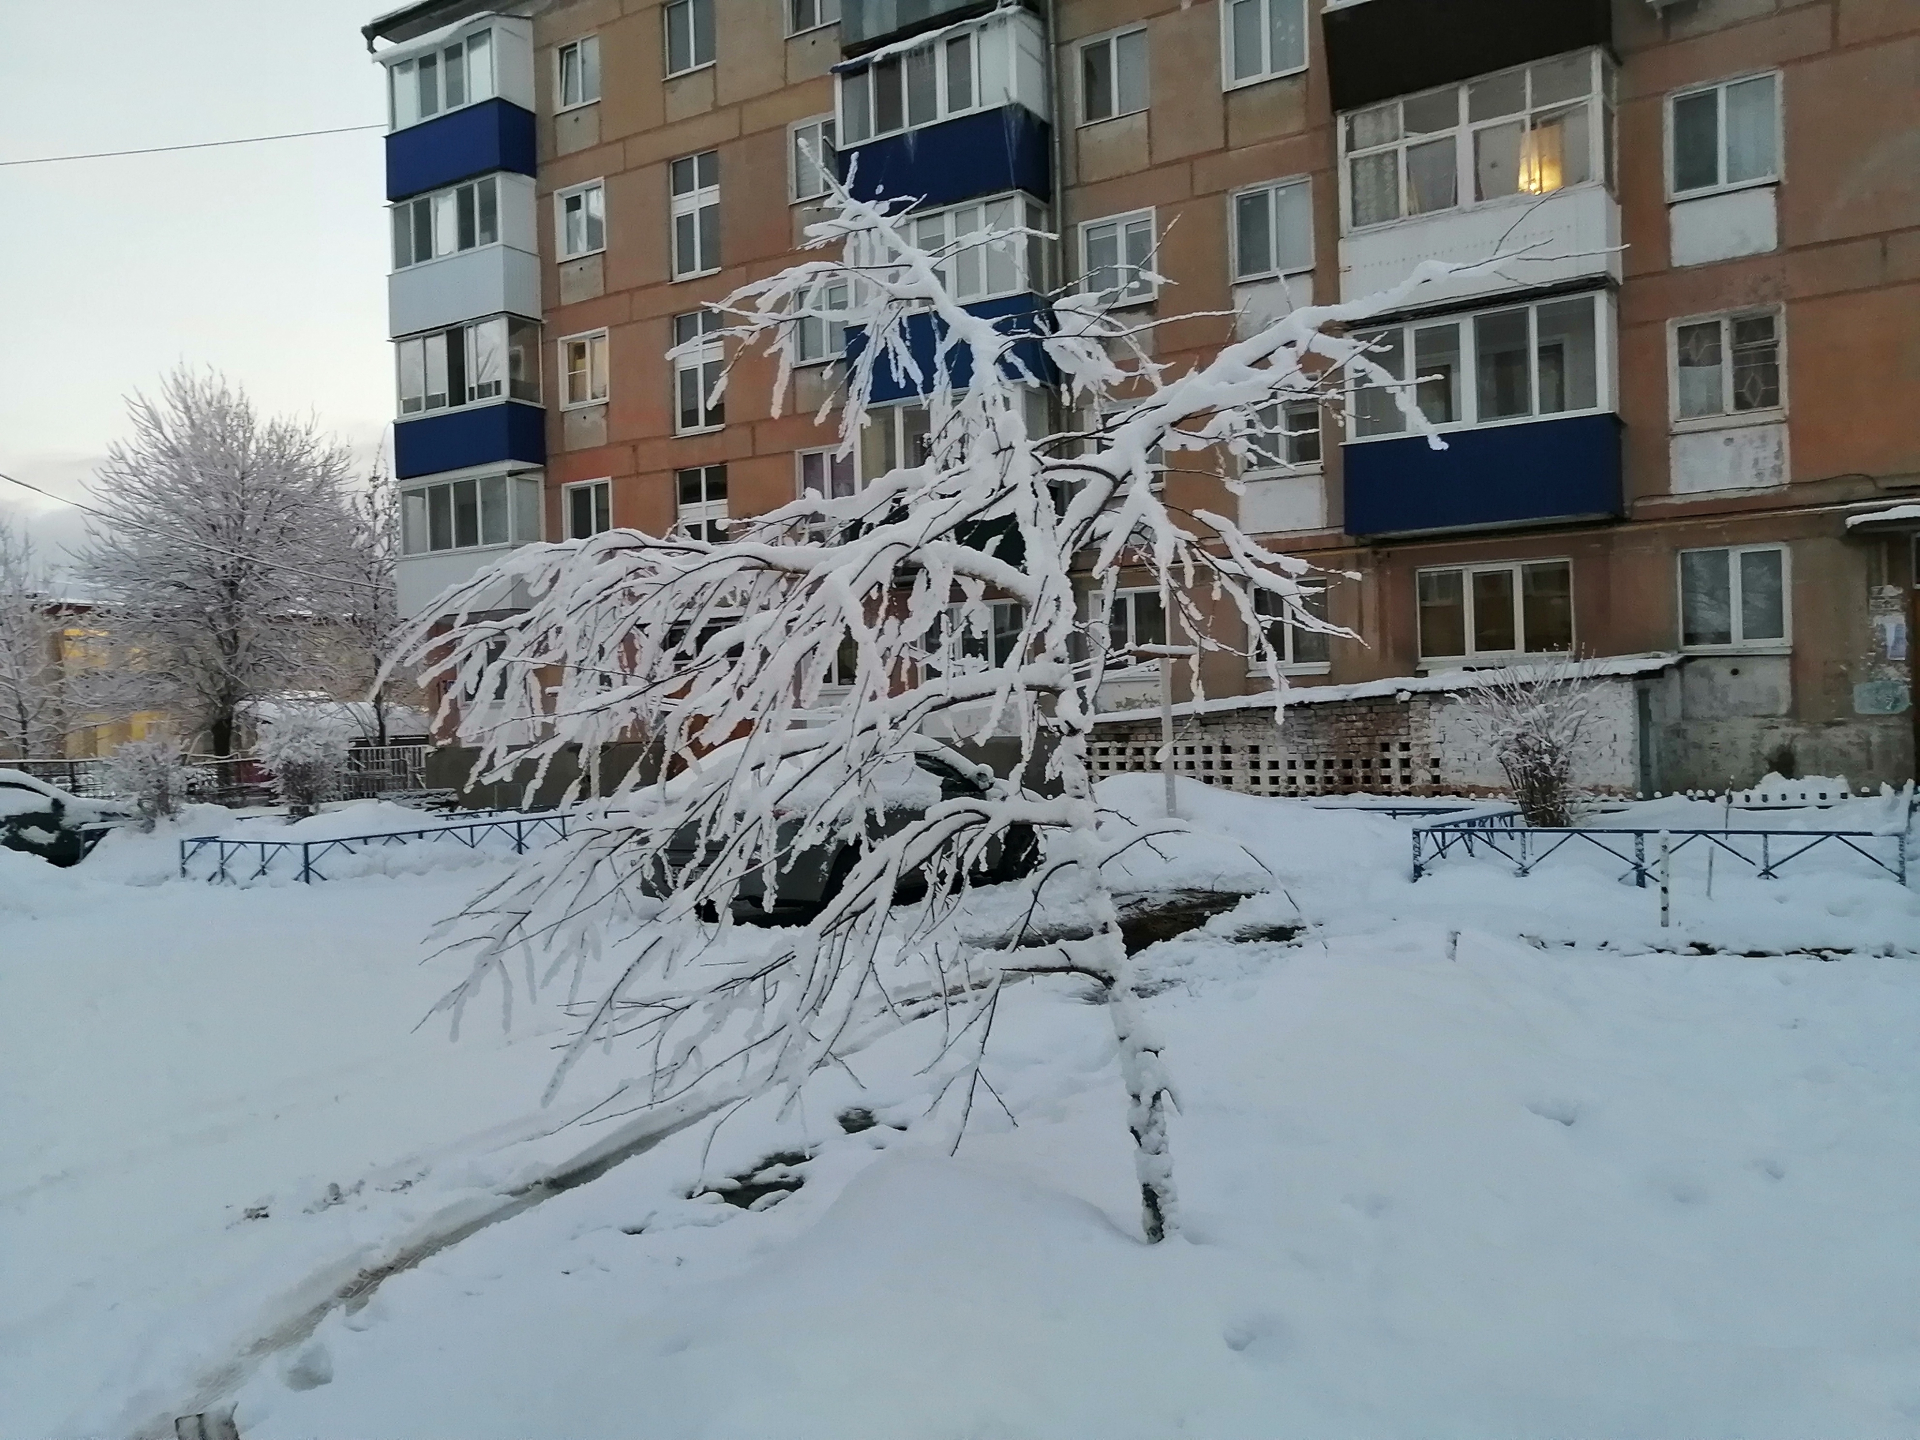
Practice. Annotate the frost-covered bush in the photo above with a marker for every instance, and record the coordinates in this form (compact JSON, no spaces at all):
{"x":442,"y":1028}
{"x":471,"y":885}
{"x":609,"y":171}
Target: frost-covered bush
{"x":1533,"y":721}
{"x":305,"y":755}
{"x":154,"y":775}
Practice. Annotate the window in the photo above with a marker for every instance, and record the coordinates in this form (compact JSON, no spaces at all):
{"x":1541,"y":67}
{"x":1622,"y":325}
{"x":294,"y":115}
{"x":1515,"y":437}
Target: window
{"x":578,"y":81}
{"x":1113,"y":76}
{"x":583,"y":366}
{"x":1288,"y":438}
{"x":1724,"y":136}
{"x":581,"y":216}
{"x":1518,"y":363}
{"x":1272,"y":230}
{"x":695,"y":183}
{"x":588,"y":508}
{"x":895,"y":436}
{"x":1137,"y":618}
{"x":445,"y":78}
{"x":804,"y":15}
{"x":445,"y":222}
{"x":971,"y":638}
{"x":926,"y":84}
{"x":1116,"y":256}
{"x":1519,"y":132}
{"x":464,"y":364}
{"x":689,"y":34}
{"x":698,"y":366}
{"x":812,"y":151}
{"x":1733,"y":597}
{"x":818,"y":338}
{"x":466,"y":514}
{"x":976,"y":252}
{"x":1476,"y":611}
{"x":826,"y":474}
{"x":1295,"y":644}
{"x":1728,"y":365}
{"x":702,"y":494}
{"x":1264,"y":37}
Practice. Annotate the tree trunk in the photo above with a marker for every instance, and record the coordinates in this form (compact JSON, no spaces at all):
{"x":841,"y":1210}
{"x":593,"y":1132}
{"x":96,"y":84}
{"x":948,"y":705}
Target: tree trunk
{"x":220,"y":734}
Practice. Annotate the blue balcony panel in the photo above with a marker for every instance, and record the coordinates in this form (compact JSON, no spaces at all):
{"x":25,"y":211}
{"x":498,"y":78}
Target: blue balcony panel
{"x":1016,"y":315}
{"x":1550,"y":470}
{"x":493,"y":135}
{"x":470,"y":435}
{"x":960,"y":159}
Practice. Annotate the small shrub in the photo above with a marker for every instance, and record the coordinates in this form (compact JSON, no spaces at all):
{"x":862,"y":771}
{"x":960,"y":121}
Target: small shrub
{"x":1533,"y":721}
{"x":305,"y":755}
{"x":152,"y":774}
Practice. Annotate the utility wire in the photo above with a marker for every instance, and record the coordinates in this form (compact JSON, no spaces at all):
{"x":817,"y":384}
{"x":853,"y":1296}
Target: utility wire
{"x":199,"y":145}
{"x":185,"y":540}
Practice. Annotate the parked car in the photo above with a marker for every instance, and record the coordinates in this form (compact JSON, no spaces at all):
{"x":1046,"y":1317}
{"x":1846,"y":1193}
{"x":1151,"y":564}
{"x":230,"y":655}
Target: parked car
{"x":45,"y":820}
{"x":814,"y":875}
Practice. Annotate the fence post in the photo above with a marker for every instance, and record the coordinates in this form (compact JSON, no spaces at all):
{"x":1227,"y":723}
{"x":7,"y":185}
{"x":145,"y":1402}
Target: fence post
{"x":1523,"y":851}
{"x":1766,"y":851}
{"x":1416,"y":853}
{"x":1901,"y":854}
{"x":306,"y":862}
{"x":1666,"y":879}
{"x":1640,"y":858}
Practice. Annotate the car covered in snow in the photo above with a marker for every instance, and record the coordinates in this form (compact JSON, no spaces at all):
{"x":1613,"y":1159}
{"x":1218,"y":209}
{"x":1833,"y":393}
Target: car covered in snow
{"x":45,"y":820}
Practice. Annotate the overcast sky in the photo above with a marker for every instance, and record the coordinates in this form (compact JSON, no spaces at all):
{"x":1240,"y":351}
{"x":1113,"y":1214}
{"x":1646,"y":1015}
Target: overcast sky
{"x":265,"y":261}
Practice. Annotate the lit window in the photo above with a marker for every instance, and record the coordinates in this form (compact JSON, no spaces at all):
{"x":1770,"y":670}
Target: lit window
{"x":445,"y":78}
{"x":1480,"y":611}
{"x":579,"y":77}
{"x":804,"y":15}
{"x":581,"y":217}
{"x":1724,"y":135}
{"x":588,"y":508}
{"x":698,"y":367}
{"x":482,"y":360}
{"x":1264,"y":37}
{"x":1113,"y":76}
{"x":1116,"y":257}
{"x":1294,"y":643}
{"x":812,"y":158}
{"x":446,"y":221}
{"x":1728,"y":365}
{"x":1515,"y":363}
{"x":1732,"y":597}
{"x":689,"y":34}
{"x":583,"y":364}
{"x":1519,"y":132}
{"x":1272,"y":230}
{"x":695,"y":184}
{"x":702,"y":498}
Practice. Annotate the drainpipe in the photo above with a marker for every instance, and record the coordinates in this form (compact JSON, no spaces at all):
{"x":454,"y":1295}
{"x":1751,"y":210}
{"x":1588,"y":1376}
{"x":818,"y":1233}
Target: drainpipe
{"x":1056,"y":146}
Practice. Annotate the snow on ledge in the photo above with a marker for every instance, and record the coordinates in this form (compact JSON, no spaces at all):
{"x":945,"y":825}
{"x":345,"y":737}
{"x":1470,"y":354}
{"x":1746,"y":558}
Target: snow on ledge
{"x":1910,"y":511}
{"x":1612,"y":668}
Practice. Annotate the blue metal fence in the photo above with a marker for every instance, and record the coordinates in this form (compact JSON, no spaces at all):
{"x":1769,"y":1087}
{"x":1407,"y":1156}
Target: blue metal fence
{"x":1766,"y":850}
{"x":302,"y":857}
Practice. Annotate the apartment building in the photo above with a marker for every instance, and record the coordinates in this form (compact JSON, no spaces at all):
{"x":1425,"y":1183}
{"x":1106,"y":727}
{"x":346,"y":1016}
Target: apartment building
{"x":1678,"y":410}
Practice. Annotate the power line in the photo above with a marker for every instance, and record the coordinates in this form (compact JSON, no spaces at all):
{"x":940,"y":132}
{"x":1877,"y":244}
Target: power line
{"x":185,"y":540}
{"x":199,"y":145}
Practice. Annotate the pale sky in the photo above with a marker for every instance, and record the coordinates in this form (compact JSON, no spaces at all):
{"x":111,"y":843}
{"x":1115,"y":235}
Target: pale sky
{"x":267,"y":261}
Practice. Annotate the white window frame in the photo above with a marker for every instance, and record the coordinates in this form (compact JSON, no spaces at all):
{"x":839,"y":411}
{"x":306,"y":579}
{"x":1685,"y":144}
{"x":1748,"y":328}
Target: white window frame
{"x":1271,"y":189}
{"x":1519,"y":652}
{"x":594,"y":344}
{"x":706,"y":511}
{"x":1728,"y":418}
{"x":829,"y":458}
{"x":1139,"y":290}
{"x":981,"y":33}
{"x":440,"y":206}
{"x":1111,"y":40}
{"x":1261,"y":461}
{"x":695,"y":356}
{"x":1598,"y":100}
{"x":1739,"y":645}
{"x":816,"y":130}
{"x":586,"y":52}
{"x":818,"y":340}
{"x":1603,"y":373}
{"x":1290,"y":663}
{"x":690,"y":204}
{"x":687,"y":8}
{"x":973,"y":650}
{"x":471,"y":93}
{"x":482,"y":509}
{"x":600,"y":493}
{"x":469,"y":346}
{"x":819,"y":10}
{"x":1266,"y":71}
{"x":584,"y":192}
{"x":1117,"y":656}
{"x":898,"y":435}
{"x":1719,"y":88}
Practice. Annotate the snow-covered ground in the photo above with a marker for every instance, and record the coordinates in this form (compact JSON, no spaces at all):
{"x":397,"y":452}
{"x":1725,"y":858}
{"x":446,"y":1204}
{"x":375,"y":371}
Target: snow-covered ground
{"x":1482,"y":1155}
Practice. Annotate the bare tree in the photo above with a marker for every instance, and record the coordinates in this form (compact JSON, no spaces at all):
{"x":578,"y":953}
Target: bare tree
{"x":367,"y":610}
{"x":221,"y":548}
{"x":721,"y":650}
{"x":31,"y":711}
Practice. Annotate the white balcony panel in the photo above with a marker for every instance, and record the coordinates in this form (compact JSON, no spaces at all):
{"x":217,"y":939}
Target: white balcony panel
{"x":1567,"y":235}
{"x":465,"y":286}
{"x":1724,"y":227}
{"x":417,"y":579}
{"x":1734,"y":457}
{"x":1280,"y":504}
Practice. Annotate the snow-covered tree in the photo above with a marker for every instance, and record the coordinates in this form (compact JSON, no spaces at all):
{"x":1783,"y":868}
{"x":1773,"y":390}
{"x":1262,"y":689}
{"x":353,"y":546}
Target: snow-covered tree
{"x":367,"y":608}
{"x":154,"y":775}
{"x":220,"y":553}
{"x":789,"y":672}
{"x":304,"y":752}
{"x":1534,"y":720}
{"x":31,"y":710}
